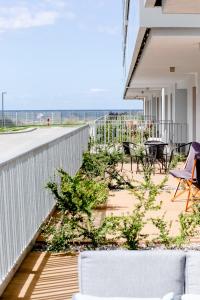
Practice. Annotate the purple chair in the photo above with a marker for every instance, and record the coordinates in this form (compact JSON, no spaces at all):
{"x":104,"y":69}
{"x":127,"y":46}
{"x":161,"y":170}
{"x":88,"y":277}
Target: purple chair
{"x":188,"y":174}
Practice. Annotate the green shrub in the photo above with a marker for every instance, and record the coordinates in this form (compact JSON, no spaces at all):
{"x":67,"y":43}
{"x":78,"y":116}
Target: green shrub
{"x":103,"y":166}
{"x":59,"y":235}
{"x":77,"y":194}
{"x":188,"y":228}
{"x":178,"y":157}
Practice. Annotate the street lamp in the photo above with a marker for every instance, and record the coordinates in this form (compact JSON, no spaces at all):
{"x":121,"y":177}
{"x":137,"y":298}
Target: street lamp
{"x":2,"y":105}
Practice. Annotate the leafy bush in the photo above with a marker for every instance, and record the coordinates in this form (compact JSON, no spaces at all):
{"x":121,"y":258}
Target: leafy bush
{"x":77,"y":194}
{"x":60,"y":235}
{"x":103,"y":166}
{"x":188,"y":227}
{"x":77,"y":197}
{"x":164,"y":232}
{"x":131,"y":227}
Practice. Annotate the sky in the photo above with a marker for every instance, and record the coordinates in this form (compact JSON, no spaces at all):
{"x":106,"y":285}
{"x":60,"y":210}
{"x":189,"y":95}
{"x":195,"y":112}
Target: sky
{"x":62,"y":54}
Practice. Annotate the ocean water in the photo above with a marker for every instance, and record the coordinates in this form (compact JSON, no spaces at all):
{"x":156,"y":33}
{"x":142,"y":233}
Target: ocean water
{"x":31,"y":117}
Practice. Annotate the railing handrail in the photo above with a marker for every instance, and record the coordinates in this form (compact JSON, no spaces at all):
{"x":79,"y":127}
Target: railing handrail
{"x":106,"y":130}
{"x":43,"y":145}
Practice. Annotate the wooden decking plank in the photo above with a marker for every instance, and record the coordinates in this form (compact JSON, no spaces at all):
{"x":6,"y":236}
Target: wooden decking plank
{"x":54,"y":277}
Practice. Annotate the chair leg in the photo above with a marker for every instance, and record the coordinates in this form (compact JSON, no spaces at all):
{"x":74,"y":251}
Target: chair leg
{"x":137,"y":167}
{"x":131,"y":164}
{"x":188,"y":200}
{"x":177,"y":188}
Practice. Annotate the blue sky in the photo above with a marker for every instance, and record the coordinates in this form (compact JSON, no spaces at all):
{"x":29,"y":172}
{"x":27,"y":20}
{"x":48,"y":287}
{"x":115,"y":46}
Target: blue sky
{"x":62,"y":54}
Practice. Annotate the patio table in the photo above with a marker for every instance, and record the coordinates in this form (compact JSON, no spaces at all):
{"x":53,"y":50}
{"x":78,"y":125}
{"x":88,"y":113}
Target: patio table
{"x":156,"y":151}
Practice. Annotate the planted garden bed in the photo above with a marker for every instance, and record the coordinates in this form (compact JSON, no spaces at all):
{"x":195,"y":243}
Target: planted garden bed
{"x":76,"y":225}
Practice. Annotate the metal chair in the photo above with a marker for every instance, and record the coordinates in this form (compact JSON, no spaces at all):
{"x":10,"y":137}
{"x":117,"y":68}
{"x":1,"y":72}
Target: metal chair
{"x":157,"y":154}
{"x":128,"y":149}
{"x":187,"y":176}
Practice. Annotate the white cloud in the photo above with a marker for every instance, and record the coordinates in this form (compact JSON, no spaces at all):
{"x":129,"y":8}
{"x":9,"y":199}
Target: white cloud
{"x":26,"y":16}
{"x":111,"y":30}
{"x":98,"y":90}
{"x":17,"y":18}
{"x":56,"y":3}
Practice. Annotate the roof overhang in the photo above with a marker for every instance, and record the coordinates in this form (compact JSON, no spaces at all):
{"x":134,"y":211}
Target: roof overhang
{"x":142,"y":93}
{"x":165,"y":48}
{"x":181,"y":7}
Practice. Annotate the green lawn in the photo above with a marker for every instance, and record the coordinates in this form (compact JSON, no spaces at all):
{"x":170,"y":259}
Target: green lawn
{"x":20,"y":128}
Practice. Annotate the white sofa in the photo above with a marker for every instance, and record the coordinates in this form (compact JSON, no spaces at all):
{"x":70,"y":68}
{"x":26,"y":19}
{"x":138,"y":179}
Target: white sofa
{"x":138,"y":274}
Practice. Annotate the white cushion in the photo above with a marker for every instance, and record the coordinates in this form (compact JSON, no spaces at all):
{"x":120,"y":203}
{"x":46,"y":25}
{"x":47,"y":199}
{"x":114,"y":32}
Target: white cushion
{"x":169,"y":296}
{"x":192,"y":274}
{"x":190,"y":297}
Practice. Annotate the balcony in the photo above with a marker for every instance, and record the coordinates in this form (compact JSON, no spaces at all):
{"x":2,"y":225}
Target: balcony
{"x":26,"y":203}
{"x":44,"y":276}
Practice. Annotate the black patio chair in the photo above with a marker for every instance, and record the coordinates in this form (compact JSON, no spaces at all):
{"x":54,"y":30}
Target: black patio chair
{"x":188,"y":176}
{"x":157,"y":154}
{"x":128,"y":150}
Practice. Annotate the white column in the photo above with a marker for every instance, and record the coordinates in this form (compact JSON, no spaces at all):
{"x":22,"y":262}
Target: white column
{"x":163,"y":103}
{"x":198,"y":107}
{"x":151,"y":105}
{"x":163,"y":112}
{"x":173,"y":103}
{"x":147,"y":108}
{"x":144,"y":108}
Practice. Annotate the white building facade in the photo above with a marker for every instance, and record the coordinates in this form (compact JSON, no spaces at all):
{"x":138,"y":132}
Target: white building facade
{"x":162,"y":59}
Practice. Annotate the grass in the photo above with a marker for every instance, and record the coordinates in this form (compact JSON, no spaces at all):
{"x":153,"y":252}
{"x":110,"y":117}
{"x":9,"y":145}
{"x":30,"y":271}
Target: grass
{"x":20,"y":128}
{"x":10,"y":129}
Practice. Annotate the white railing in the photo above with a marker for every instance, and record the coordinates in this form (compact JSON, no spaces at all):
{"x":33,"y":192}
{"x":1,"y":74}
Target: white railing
{"x":43,"y":117}
{"x":24,"y":200}
{"x":105,"y":131}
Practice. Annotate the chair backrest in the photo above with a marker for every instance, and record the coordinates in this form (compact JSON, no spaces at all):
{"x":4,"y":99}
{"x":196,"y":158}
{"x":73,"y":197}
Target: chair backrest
{"x":160,"y":151}
{"x":194,"y":149}
{"x":151,"y":150}
{"x":156,"y":148}
{"x":127,"y":147}
{"x":197,"y":157}
{"x":138,"y":274}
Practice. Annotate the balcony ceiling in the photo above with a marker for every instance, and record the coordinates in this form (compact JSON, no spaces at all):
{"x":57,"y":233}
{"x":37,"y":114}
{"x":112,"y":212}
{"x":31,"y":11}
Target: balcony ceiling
{"x":141,"y":93}
{"x":181,"y":7}
{"x":165,"y":48}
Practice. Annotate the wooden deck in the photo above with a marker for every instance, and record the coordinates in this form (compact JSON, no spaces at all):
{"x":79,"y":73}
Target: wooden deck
{"x":44,"y":276}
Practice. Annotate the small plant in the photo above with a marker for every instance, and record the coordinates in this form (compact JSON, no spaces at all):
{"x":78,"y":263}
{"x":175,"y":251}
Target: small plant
{"x":103,"y":166}
{"x":96,"y":234}
{"x":131,"y":227}
{"x":188,"y":227}
{"x":178,"y":157}
{"x":59,"y":235}
{"x":164,"y":232}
